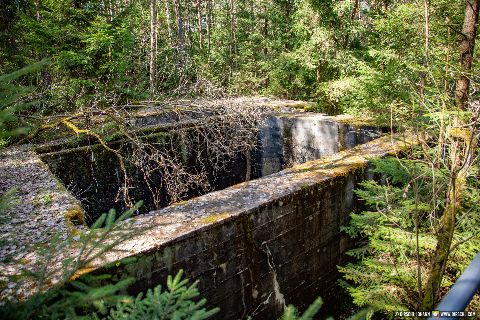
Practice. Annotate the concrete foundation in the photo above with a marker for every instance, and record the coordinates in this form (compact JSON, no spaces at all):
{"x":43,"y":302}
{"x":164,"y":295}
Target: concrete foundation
{"x":267,"y":236}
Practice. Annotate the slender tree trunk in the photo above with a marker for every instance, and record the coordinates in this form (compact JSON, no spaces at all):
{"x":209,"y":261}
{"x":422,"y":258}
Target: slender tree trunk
{"x":187,"y":25}
{"x":355,"y":9}
{"x":167,"y":22}
{"x":441,"y":135}
{"x":444,"y":235}
{"x":199,"y":24}
{"x":423,"y":74}
{"x":288,"y":9}
{"x":233,"y":36}
{"x":46,"y":76}
{"x":459,"y":167}
{"x":108,"y":19}
{"x":230,"y":42}
{"x":180,"y":35}
{"x":265,"y":37}
{"x":209,"y":25}
{"x":153,"y":47}
{"x":466,"y":47}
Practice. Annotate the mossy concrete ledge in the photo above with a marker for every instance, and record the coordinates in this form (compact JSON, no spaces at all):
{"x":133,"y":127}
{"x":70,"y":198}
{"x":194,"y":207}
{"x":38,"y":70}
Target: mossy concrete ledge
{"x":258,"y":245}
{"x":36,"y":206}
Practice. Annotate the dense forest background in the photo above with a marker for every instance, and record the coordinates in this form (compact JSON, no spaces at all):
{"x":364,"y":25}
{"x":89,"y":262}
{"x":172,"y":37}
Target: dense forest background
{"x":411,"y":64}
{"x":346,"y":55}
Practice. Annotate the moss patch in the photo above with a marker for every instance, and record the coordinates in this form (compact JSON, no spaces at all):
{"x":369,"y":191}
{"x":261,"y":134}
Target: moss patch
{"x":180,"y":203}
{"x":75,"y":216}
{"x":215,"y":217}
{"x":43,"y":198}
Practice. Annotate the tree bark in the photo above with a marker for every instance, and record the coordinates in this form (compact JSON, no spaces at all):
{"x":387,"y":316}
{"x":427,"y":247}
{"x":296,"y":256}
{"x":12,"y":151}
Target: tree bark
{"x":233,"y":37}
{"x":265,"y":37}
{"x":444,"y":235}
{"x":355,"y":9}
{"x":209,"y":25}
{"x":460,"y":163}
{"x":467,"y":44}
{"x":423,"y":74}
{"x":199,"y":24}
{"x":153,"y":47}
{"x":167,"y":18}
{"x":180,"y":34}
{"x":46,"y":76}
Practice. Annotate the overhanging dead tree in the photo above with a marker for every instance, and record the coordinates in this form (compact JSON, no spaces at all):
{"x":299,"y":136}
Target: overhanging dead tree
{"x":210,"y":133}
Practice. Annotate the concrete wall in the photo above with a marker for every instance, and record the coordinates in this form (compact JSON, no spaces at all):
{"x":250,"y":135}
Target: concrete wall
{"x":259,"y":245}
{"x":287,"y":140}
{"x":285,"y":252}
{"x":93,"y":173}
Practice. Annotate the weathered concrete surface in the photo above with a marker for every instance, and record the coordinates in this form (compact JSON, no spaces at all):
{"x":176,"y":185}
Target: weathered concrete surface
{"x":167,"y":113}
{"x":38,"y":208}
{"x":42,"y":206}
{"x":285,"y":139}
{"x":290,"y":139}
{"x":254,"y":246}
{"x":261,"y":244}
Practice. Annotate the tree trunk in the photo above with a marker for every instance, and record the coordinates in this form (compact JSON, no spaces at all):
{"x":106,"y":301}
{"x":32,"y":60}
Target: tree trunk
{"x":233,"y":37}
{"x":46,"y":76}
{"x":423,"y":74}
{"x":444,"y":237}
{"x":180,"y":34}
{"x":355,"y":9}
{"x":199,"y":24}
{"x":460,"y":163}
{"x":167,"y":18}
{"x":153,"y":47}
{"x":187,"y":24}
{"x":265,"y":37}
{"x":209,"y":25}
{"x":466,"y":47}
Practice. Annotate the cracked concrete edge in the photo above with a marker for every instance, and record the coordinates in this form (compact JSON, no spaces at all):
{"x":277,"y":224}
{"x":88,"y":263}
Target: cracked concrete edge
{"x":41,"y":208}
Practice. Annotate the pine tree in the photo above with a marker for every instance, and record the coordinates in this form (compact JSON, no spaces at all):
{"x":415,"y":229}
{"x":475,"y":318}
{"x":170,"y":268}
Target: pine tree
{"x":14,"y":98}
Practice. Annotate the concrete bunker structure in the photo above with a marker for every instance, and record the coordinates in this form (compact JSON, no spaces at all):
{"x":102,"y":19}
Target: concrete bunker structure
{"x":254,"y":245}
{"x":283,"y":141}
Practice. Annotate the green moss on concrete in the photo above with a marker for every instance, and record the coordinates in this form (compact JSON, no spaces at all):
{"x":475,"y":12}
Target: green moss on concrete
{"x":43,"y":198}
{"x":215,"y":217}
{"x":180,"y":203}
{"x":75,"y":216}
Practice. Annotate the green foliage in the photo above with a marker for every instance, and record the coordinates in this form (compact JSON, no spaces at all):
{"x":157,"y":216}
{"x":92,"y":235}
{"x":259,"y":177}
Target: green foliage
{"x":385,"y":274}
{"x":76,"y":295}
{"x":69,"y":295}
{"x":91,"y":298}
{"x":14,"y":98}
{"x":174,"y":303}
{"x":291,"y":313}
{"x":8,"y":199}
{"x":352,"y":59}
{"x":363,"y":60}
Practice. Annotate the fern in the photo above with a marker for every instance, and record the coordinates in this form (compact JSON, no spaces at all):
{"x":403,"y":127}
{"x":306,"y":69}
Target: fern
{"x":174,"y":303}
